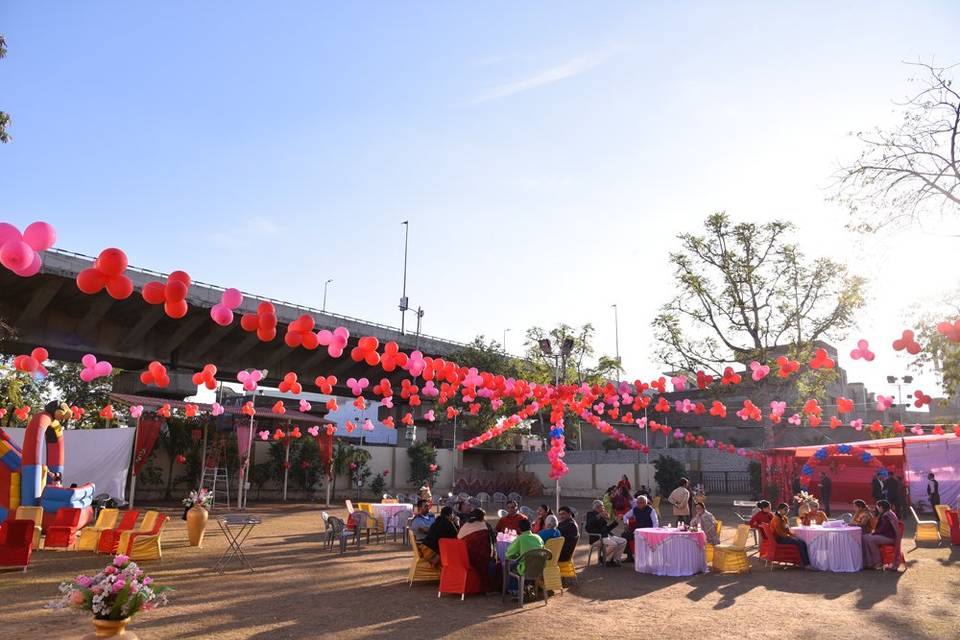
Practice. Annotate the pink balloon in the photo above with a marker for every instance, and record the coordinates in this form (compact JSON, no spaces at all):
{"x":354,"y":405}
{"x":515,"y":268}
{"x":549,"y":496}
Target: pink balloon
{"x":8,"y":232}
{"x":89,"y":360}
{"x":16,"y":255}
{"x":40,"y":235}
{"x":103,"y":368}
{"x":231,"y":298}
{"x":87,"y":375}
{"x":221,"y":314}
{"x":31,"y":270}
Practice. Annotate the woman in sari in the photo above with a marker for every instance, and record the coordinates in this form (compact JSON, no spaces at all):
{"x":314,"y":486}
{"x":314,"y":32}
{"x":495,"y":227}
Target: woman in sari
{"x":863,"y":518}
{"x":538,"y":522}
{"x":477,"y":535}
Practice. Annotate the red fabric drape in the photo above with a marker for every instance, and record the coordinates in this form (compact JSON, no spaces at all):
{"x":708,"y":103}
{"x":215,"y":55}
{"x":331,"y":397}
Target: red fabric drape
{"x":147,"y":432}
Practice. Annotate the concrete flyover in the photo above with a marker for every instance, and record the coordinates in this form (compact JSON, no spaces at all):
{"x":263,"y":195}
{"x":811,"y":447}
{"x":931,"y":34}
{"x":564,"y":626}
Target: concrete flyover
{"x":48,"y":310}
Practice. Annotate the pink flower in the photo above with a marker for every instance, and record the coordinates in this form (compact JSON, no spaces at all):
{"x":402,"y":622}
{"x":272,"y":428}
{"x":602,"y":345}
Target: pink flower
{"x":121,"y":560}
{"x":433,"y":467}
{"x":147,"y":582}
{"x":77,"y":597}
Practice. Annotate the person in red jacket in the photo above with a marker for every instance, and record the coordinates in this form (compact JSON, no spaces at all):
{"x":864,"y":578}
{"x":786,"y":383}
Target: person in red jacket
{"x":763,"y":516}
{"x":512,"y":519}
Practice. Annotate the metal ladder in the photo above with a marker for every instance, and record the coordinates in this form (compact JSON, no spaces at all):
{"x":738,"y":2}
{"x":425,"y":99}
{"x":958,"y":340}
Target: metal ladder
{"x":216,"y":478}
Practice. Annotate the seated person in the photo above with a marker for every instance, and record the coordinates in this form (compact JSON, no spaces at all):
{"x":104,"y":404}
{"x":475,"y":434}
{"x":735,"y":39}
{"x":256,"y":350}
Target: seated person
{"x":599,"y":525}
{"x":549,"y":529}
{"x":464,"y":509}
{"x":478,"y":536}
{"x":422,"y":521}
{"x":513,"y":518}
{"x":538,"y":522}
{"x":863,"y":517}
{"x":886,"y":533}
{"x":570,"y":531}
{"x":526,"y":540}
{"x":810,"y":513}
{"x":443,"y":527}
{"x":642,"y":516}
{"x":763,"y":516}
{"x":780,"y":529}
{"x":707,"y":523}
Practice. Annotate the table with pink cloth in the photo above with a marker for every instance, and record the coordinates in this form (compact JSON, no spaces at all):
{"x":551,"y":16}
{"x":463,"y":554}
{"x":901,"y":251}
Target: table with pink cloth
{"x":832,"y":548}
{"x":386,"y":512}
{"x":669,"y":552}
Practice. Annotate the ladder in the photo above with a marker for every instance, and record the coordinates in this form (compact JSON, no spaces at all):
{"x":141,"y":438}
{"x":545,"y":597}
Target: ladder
{"x":216,"y":477}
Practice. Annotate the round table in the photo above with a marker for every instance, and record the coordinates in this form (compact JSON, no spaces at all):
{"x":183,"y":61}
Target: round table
{"x":835,"y":549}
{"x":669,"y":552}
{"x":386,"y":512}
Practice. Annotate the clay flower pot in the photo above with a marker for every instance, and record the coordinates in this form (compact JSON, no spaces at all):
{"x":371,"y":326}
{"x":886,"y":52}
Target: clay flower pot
{"x":196,"y":524}
{"x":111,"y":629}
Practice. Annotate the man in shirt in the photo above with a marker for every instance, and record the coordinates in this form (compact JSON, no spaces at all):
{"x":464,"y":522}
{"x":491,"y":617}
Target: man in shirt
{"x":422,"y":522}
{"x":826,"y":487}
{"x":679,"y":499}
{"x":642,"y":516}
{"x":570,"y":531}
{"x":512,"y":519}
{"x":599,"y":525}
{"x":876,"y":486}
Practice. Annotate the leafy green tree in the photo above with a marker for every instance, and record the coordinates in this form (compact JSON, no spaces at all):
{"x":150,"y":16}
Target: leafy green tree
{"x":174,"y":440}
{"x":89,"y":396}
{"x":743,"y":291}
{"x":18,"y":389}
{"x":668,"y":473}
{"x":422,"y":456}
{"x":378,"y":484}
{"x":577,"y":367}
{"x":909,"y":175}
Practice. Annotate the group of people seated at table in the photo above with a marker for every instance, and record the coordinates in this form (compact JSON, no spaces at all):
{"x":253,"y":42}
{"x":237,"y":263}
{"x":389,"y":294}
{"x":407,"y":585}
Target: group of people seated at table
{"x":608,"y":514}
{"x":880,"y":527}
{"x":480,"y":537}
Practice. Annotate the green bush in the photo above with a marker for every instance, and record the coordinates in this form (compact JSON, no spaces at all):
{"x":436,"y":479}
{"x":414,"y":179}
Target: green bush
{"x":668,"y":473}
{"x":422,"y":457}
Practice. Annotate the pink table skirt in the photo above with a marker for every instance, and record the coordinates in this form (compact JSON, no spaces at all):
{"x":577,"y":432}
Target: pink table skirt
{"x":668,"y":552}
{"x":835,"y":549}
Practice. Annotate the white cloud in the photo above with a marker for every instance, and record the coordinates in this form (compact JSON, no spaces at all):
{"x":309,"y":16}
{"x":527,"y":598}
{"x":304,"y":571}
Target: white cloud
{"x":569,"y":69}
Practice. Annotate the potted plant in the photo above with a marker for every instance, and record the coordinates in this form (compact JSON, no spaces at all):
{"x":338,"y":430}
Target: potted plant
{"x":196,"y":507}
{"x":113,"y":596}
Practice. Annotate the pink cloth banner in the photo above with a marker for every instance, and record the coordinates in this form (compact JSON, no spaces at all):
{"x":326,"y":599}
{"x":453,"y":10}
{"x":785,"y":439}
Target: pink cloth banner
{"x":243,"y":440}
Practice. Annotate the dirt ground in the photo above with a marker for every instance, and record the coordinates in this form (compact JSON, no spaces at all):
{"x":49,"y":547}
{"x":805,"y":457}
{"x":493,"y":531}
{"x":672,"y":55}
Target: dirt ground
{"x":301,"y":591}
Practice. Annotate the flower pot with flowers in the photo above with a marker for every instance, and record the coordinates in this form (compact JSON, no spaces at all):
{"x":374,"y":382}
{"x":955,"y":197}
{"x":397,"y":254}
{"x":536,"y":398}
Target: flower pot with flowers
{"x":113,"y":596}
{"x":196,"y":512}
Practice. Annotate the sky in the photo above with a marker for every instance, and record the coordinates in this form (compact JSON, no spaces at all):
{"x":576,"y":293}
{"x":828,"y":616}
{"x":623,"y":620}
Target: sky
{"x":546,"y":154}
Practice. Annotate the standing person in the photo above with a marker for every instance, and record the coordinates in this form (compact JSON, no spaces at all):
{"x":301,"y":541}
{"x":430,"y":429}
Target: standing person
{"x":780,"y":529}
{"x":876,"y":487}
{"x":826,"y":487}
{"x":599,"y":524}
{"x":887,"y":531}
{"x":679,"y":499}
{"x":625,"y":484}
{"x":795,"y":486}
{"x":570,"y":531}
{"x":933,"y":493}
{"x":620,"y":501}
{"x":891,"y":492}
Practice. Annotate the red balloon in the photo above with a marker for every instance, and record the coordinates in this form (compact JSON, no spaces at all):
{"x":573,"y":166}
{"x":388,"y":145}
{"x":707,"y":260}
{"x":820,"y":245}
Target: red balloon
{"x":154,"y":292}
{"x":146,"y":378}
{"x":175,"y":291}
{"x":180,"y":277}
{"x":90,"y":281}
{"x":249,"y":322}
{"x":112,"y":262}
{"x":120,"y":287}
{"x":176,"y":309}
{"x":266,"y":335}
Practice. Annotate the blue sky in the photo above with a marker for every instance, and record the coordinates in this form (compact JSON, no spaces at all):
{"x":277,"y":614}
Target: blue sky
{"x":546,"y":154}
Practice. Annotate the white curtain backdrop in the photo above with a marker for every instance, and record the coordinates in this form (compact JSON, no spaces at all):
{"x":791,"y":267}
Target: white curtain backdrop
{"x":100,"y":456}
{"x":942,"y":457}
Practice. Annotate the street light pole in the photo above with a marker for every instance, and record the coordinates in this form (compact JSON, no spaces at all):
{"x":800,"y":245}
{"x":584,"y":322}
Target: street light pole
{"x":616,"y":332}
{"x":403,"y":297}
{"x":325,"y":294}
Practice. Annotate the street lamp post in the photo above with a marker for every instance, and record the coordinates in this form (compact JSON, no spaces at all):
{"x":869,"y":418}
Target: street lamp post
{"x":404,"y":305}
{"x":324,"y":309}
{"x":894,"y":380}
{"x":616,"y":334}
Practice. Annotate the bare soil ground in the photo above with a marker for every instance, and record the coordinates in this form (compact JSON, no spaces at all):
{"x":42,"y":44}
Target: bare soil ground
{"x":301,"y":591}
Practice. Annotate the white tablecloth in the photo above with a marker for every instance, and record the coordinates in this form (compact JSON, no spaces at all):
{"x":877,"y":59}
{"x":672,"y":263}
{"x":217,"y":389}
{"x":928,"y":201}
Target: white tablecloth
{"x":386,"y":513}
{"x":832,"y":548}
{"x":674,"y":553}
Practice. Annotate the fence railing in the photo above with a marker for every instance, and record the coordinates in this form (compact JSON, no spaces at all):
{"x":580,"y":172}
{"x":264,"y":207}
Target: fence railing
{"x":724,"y":482}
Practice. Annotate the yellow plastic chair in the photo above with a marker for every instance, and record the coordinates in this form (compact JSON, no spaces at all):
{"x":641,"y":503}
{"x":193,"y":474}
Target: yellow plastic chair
{"x":567,"y":569}
{"x":147,"y":547}
{"x":732,"y":558}
{"x":146,"y":526}
{"x":90,"y":536}
{"x":551,"y":571}
{"x":420,"y":569}
{"x":34,"y":514}
{"x":942,"y":510}
{"x":927,"y":530}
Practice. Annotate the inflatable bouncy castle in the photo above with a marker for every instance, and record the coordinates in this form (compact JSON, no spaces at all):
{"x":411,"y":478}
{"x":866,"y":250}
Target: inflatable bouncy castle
{"x":25,"y":481}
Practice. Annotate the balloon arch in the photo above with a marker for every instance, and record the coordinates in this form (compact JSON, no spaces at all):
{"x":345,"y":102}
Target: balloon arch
{"x":821,"y":455}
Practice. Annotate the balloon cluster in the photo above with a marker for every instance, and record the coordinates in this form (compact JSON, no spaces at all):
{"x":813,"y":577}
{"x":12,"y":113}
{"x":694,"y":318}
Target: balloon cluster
{"x":20,"y":253}
{"x":264,"y":322}
{"x":156,"y":374}
{"x":33,"y":363}
{"x":172,"y":295}
{"x":558,"y":468}
{"x":206,"y":377}
{"x":107,"y":272}
{"x":222,"y":312}
{"x":300,"y":333}
{"x":93,"y":369}
{"x":289,"y":384}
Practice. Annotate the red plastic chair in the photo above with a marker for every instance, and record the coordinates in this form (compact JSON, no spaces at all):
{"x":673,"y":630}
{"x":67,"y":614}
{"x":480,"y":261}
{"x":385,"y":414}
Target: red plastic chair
{"x":954,"y":519}
{"x":766,"y":543}
{"x":887,"y":551}
{"x":110,"y":538}
{"x":780,"y":553}
{"x":62,"y":532}
{"x":456,"y":574}
{"x":17,"y":543}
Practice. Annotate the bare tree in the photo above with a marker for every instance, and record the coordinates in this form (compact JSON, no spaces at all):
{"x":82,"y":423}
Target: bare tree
{"x":743,"y":290}
{"x":909,"y":175}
